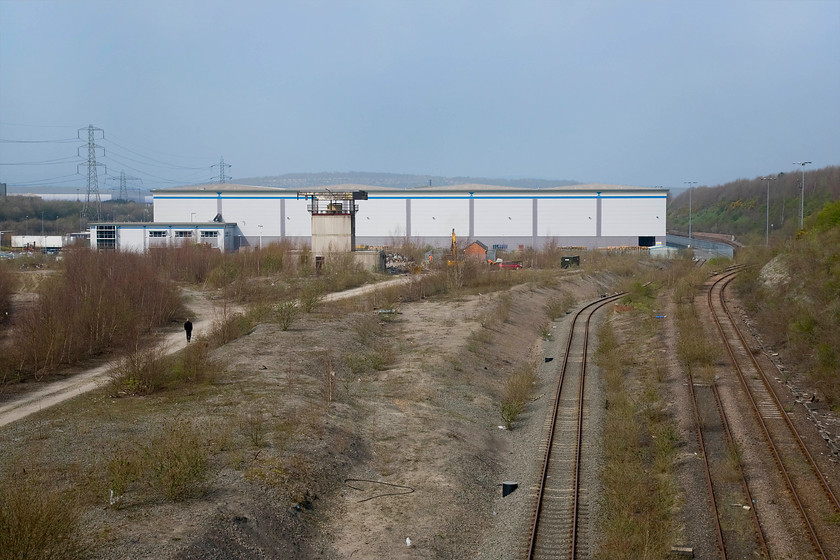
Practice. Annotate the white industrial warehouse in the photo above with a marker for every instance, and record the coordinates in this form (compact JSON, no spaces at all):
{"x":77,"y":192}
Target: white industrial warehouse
{"x":230,"y":217}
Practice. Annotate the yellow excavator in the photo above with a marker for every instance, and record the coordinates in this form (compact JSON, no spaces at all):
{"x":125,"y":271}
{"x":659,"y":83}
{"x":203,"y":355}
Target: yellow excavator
{"x":454,"y":258}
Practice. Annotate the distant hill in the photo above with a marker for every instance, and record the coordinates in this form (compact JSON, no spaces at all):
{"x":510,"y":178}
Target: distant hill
{"x":390,"y":180}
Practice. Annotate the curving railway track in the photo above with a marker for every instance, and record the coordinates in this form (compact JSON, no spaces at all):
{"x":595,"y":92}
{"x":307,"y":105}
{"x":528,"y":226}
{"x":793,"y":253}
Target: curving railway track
{"x":810,"y":495}
{"x":738,"y":536}
{"x":562,"y":502}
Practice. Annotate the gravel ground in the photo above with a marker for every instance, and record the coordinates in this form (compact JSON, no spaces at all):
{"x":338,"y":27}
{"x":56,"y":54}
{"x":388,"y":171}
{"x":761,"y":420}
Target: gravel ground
{"x":508,"y":536}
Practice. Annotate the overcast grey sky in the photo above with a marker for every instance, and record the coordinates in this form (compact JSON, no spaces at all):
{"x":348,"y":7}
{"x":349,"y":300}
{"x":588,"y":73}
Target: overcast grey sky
{"x":626,"y":92}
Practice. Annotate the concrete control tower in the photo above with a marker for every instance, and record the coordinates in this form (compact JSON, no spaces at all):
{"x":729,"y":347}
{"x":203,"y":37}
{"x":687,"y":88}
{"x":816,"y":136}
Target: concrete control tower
{"x":333,"y":220}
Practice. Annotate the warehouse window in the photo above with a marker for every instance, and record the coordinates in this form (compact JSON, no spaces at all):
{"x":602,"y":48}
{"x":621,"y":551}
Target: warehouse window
{"x":157,"y":234}
{"x":183,"y":234}
{"x":106,"y":237}
{"x":207,"y":234}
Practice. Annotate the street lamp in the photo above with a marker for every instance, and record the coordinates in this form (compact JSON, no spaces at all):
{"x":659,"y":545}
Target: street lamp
{"x":26,"y":225}
{"x":689,"y":183}
{"x":767,"y":226}
{"x":802,"y":198}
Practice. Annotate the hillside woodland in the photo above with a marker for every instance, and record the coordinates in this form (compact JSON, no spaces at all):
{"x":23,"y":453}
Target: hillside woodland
{"x":796,"y":299}
{"x":740,"y":207}
{"x":33,"y":215}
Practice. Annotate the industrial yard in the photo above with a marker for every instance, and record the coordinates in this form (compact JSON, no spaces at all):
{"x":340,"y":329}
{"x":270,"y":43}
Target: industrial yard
{"x":371,"y":426}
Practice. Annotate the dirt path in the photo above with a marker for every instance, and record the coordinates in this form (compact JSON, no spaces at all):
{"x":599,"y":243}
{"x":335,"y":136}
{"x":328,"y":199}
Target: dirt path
{"x":202,"y":314}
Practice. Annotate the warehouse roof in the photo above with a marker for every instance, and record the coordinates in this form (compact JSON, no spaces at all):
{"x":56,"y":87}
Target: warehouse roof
{"x":470,"y":187}
{"x":216,"y":187}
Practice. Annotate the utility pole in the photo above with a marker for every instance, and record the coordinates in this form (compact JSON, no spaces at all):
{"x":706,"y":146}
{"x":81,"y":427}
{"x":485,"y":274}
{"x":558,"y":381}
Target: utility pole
{"x":767,"y":226}
{"x":802,"y":198}
{"x":689,"y":183}
{"x":93,"y":179}
{"x":221,"y":165}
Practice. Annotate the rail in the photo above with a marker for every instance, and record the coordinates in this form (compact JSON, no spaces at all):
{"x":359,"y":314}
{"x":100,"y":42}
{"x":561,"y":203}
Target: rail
{"x":540,"y":507}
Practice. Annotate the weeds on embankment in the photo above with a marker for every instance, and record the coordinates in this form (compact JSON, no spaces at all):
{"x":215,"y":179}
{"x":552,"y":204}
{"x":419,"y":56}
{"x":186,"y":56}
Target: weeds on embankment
{"x":516,"y":392}
{"x":38,"y":519}
{"x":794,"y":296}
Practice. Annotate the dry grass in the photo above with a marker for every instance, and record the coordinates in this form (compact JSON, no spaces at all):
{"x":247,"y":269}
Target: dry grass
{"x":558,"y":306}
{"x":142,"y":371}
{"x":147,"y":370}
{"x":38,"y":519}
{"x":516,"y":392}
{"x":694,"y":350}
{"x":175,"y":463}
{"x":639,"y":444}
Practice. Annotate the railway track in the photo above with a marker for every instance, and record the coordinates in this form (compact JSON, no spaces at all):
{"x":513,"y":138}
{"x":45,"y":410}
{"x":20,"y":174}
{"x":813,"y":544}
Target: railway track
{"x":738,"y":536}
{"x":562,"y":502}
{"x":812,"y":498}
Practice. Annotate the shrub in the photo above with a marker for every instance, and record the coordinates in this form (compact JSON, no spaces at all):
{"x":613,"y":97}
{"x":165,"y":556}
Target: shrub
{"x":38,"y":520}
{"x":545,"y":331}
{"x":510,"y":411}
{"x":141,"y":372}
{"x":122,"y":470}
{"x":195,"y":364}
{"x":100,"y":302}
{"x":375,"y":360}
{"x":286,"y":313}
{"x":559,"y":305}
{"x":477,"y":339}
{"x":177,"y":460}
{"x":190,"y":263}
{"x":367,"y":329}
{"x":517,"y":390}
{"x":311,"y":296}
{"x":253,"y":426}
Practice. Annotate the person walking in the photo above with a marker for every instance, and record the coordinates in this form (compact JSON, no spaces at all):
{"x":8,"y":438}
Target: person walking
{"x":188,"y":328}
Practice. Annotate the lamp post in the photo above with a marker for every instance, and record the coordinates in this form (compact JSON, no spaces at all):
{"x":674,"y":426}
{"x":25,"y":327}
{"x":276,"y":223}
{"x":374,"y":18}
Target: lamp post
{"x":26,"y":225}
{"x":802,"y":197}
{"x":767,"y":226}
{"x":689,"y":183}
{"x":260,"y":226}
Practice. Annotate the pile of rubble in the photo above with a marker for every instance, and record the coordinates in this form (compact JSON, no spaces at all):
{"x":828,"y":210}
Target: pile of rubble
{"x":399,"y":264}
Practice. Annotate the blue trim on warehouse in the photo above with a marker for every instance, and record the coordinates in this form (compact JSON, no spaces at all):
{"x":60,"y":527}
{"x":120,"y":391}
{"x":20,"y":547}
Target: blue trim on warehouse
{"x":558,"y":197}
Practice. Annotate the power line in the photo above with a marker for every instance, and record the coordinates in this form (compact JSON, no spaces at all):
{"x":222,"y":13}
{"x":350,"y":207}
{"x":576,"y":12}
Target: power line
{"x":6,"y":123}
{"x":110,"y":156}
{"x":152,"y":150}
{"x":29,"y":183}
{"x":164,"y":163}
{"x":45,"y":162}
{"x":165,"y":166}
{"x":59,"y":141}
{"x":165,"y":180}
